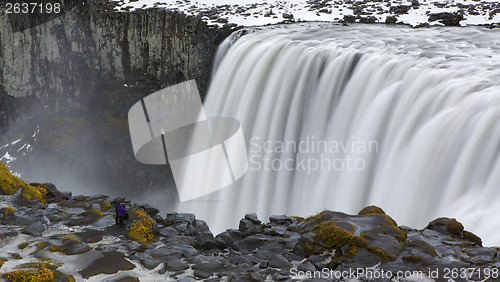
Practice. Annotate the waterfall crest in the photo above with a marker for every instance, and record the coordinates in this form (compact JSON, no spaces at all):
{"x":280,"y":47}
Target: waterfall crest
{"x":394,"y":117}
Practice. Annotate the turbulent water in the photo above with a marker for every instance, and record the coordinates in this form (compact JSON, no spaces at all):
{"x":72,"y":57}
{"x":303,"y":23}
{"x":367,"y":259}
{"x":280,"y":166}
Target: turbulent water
{"x":343,"y":117}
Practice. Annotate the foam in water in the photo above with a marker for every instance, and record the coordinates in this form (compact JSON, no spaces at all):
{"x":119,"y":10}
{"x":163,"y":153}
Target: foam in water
{"x":414,"y":112}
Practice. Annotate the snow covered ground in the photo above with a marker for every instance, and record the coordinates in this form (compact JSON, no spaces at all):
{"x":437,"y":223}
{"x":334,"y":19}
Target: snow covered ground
{"x":261,"y":12}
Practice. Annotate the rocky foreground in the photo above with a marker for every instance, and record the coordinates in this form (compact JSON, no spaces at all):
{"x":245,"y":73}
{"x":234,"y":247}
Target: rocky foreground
{"x":54,"y":236}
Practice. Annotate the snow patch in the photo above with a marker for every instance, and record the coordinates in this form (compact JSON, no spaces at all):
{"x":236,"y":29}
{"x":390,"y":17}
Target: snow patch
{"x":7,"y":158}
{"x":262,"y":12}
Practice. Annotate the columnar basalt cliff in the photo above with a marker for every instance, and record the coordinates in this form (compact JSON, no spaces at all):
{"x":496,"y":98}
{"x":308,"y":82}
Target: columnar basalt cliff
{"x":66,"y":86}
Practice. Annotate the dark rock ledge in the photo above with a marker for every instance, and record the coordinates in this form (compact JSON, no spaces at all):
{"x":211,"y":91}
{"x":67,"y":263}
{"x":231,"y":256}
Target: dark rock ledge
{"x":75,"y":237}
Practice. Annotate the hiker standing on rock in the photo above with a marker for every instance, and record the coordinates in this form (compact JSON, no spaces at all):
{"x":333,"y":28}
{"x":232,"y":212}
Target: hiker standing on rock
{"x":121,"y":212}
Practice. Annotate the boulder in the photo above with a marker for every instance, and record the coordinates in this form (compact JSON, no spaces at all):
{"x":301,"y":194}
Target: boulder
{"x":278,"y":261}
{"x":446,"y":18}
{"x":149,"y":209}
{"x":281,"y":219}
{"x":177,"y":265}
{"x":110,"y":263}
{"x":253,"y":218}
{"x":34,"y":229}
{"x":250,"y":243}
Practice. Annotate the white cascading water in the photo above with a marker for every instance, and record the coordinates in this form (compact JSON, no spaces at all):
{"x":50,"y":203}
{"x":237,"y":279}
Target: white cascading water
{"x":414,"y":112}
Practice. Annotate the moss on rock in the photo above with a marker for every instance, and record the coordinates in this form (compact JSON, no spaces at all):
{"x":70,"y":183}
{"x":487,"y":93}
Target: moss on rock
{"x":9,"y":211}
{"x":142,"y":228}
{"x":34,"y":192}
{"x":327,"y":236}
{"x":371,"y":210}
{"x":9,"y":184}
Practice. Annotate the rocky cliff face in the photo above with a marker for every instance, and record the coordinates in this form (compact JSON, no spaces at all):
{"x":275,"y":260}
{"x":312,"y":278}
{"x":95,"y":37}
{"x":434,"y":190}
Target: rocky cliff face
{"x":66,"y":86}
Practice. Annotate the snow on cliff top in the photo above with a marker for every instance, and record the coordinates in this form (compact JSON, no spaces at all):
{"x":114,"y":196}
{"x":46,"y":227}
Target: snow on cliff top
{"x":261,"y":12}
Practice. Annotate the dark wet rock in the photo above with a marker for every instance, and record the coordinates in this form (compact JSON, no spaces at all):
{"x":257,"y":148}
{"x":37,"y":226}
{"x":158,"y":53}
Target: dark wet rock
{"x":306,"y":266}
{"x":281,"y":219}
{"x":150,"y":263}
{"x":399,"y":10}
{"x":110,"y":263}
{"x":391,"y":20}
{"x":349,"y":19}
{"x":368,"y":20}
{"x":421,"y":246}
{"x":15,"y":255}
{"x":200,"y":226}
{"x":362,"y":258}
{"x":181,"y":227}
{"x":34,"y":229}
{"x":479,"y":256}
{"x":179,"y":240}
{"x":248,"y":228}
{"x":90,"y":236}
{"x":65,"y":195}
{"x":163,"y":252}
{"x":174,"y":218}
{"x":253,"y":218}
{"x":389,"y":245}
{"x":202,"y":274}
{"x":253,"y":242}
{"x":214,"y":243}
{"x":74,"y":247}
{"x":7,"y":234}
{"x":149,"y":209}
{"x":85,"y":218}
{"x":177,"y":265}
{"x":126,"y":278}
{"x":278,"y":261}
{"x":168,"y":231}
{"x":206,"y":269}
{"x":230,"y":237}
{"x":446,"y":18}
{"x":238,"y":260}
{"x":134,"y":246}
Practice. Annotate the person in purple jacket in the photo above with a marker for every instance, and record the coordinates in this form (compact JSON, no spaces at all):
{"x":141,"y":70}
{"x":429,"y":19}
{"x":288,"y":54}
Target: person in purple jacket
{"x":120,"y":213}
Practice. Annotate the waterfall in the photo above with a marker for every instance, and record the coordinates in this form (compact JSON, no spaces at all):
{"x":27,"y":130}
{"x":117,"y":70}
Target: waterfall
{"x":344,"y":117}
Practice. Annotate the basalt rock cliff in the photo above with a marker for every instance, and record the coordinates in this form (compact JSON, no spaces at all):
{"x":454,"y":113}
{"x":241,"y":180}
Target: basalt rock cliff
{"x":68,"y":81}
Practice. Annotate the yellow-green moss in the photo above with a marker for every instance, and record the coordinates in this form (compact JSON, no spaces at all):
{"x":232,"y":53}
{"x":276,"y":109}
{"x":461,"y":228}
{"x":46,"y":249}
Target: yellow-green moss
{"x":454,"y":227}
{"x":34,"y":192}
{"x":98,"y":212}
{"x":358,"y":242}
{"x":328,"y":236}
{"x":354,"y":244}
{"x":23,"y":245}
{"x":9,"y":183}
{"x":55,"y":249}
{"x":69,"y":236}
{"x":41,"y":245}
{"x":66,"y":276}
{"x":371,"y":210}
{"x":2,"y":261}
{"x":105,"y":205}
{"x":9,"y":211}
{"x":412,"y":259}
{"x":31,"y":272}
{"x":471,"y":237}
{"x":317,"y":216}
{"x":298,"y":218}
{"x":142,"y":228}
